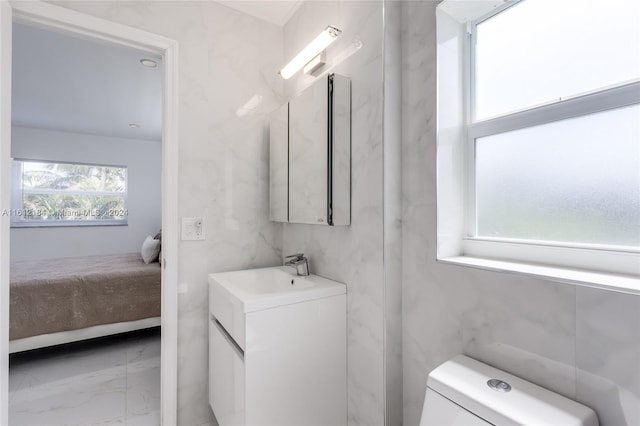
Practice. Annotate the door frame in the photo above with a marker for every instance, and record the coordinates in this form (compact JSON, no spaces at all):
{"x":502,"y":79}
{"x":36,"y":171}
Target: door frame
{"x":89,"y":26}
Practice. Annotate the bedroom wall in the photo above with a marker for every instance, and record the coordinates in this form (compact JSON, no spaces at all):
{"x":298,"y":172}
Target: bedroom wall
{"x":225,"y":59}
{"x":143,"y":159}
{"x":581,"y":342}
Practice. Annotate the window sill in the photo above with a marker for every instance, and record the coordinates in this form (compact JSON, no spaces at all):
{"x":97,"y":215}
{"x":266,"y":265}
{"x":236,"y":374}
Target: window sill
{"x":608,"y":281}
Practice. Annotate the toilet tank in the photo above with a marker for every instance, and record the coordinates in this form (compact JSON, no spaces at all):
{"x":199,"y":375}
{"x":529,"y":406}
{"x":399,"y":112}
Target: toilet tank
{"x":463,"y":391}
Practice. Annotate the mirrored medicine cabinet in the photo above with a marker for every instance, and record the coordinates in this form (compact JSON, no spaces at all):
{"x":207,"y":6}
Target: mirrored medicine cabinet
{"x":310,"y":156}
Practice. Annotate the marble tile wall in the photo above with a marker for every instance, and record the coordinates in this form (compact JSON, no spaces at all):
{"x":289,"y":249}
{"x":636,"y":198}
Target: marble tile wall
{"x":608,"y":354}
{"x":354,"y":254}
{"x":226,"y":58}
{"x":392,"y":213}
{"x":580,"y":342}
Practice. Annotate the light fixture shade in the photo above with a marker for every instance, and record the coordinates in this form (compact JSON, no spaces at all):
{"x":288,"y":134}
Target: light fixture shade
{"x":324,"y":39}
{"x":149,"y":63}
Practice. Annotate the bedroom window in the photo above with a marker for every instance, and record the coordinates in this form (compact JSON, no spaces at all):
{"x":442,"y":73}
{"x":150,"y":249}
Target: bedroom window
{"x":67,"y":194}
{"x":539,"y":134}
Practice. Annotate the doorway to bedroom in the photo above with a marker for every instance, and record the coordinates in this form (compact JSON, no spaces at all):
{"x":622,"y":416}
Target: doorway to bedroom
{"x":85,"y":217}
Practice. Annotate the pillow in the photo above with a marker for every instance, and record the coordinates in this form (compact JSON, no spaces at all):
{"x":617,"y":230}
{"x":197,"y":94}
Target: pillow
{"x":150,"y":250}
{"x":159,"y":238}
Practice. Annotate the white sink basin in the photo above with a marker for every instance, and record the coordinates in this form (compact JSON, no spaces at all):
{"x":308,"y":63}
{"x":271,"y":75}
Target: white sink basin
{"x":232,"y":295}
{"x":257,"y":289}
{"x":262,"y":281}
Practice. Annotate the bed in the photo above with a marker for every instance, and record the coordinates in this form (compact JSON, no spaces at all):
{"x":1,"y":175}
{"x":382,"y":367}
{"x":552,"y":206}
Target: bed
{"x":57,"y":301}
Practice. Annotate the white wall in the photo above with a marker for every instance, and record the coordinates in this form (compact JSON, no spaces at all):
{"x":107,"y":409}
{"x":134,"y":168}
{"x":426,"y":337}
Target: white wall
{"x":144,"y":162}
{"x":581,"y":342}
{"x":352,"y":254}
{"x":225,"y":58}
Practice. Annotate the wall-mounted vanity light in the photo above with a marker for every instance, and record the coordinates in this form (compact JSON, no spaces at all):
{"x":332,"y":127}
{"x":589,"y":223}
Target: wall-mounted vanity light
{"x":309,"y":53}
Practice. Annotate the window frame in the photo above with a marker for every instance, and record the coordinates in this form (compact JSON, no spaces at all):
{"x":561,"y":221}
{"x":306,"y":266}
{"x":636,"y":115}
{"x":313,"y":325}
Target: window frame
{"x":17,"y":198}
{"x":516,"y":254}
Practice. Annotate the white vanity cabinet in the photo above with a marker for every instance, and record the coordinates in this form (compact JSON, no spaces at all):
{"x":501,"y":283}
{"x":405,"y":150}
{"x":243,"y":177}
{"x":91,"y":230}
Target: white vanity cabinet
{"x":227,"y":390}
{"x":277,"y":357}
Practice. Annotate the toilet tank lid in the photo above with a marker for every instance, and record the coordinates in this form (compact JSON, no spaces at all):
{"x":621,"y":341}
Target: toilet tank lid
{"x":463,"y":380}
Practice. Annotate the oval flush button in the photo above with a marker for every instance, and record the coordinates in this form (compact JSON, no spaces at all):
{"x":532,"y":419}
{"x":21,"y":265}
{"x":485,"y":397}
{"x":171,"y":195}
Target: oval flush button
{"x":499,"y":385}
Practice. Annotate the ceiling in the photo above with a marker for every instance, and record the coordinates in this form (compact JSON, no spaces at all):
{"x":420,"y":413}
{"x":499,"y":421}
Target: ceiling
{"x":63,"y":82}
{"x":277,"y":12}
{"x":69,"y":83}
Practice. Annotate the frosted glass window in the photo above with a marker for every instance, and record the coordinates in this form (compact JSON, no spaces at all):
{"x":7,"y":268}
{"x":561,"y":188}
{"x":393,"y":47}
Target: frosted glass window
{"x":575,"y":180}
{"x":539,"y":51}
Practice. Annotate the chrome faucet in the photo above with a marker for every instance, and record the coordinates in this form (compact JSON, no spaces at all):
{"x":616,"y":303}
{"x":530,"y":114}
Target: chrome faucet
{"x":299,"y":262}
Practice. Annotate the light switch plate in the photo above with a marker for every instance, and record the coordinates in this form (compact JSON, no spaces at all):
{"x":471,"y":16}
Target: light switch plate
{"x":192,"y":228}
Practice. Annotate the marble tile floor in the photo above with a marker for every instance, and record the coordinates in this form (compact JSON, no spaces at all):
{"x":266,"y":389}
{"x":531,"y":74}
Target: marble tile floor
{"x":106,"y":381}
